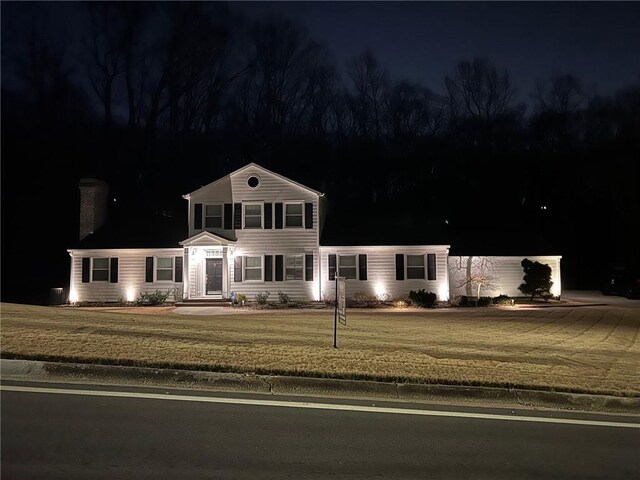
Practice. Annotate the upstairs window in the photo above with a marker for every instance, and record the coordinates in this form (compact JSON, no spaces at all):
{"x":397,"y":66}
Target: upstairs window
{"x":100,"y":270}
{"x":213,"y":216}
{"x":347,"y":266}
{"x":164,"y":269}
{"x":252,"y":215}
{"x":253,"y":268}
{"x":415,"y":266}
{"x":294,"y":267}
{"x":293,"y":215}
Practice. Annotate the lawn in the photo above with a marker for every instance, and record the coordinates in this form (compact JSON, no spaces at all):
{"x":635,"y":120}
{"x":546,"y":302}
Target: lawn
{"x":586,"y":349}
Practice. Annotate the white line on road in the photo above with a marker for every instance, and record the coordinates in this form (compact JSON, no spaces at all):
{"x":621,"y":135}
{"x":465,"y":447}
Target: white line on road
{"x":316,"y":406}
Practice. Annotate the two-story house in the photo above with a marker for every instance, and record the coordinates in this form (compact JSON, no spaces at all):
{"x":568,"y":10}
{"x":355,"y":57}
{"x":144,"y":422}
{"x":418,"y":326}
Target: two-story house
{"x":257,"y":231}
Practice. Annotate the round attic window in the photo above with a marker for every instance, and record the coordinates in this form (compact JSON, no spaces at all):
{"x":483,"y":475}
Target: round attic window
{"x":253,"y":181}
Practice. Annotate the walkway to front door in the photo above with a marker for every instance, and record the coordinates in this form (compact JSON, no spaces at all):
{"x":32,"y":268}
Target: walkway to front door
{"x":214,"y":276}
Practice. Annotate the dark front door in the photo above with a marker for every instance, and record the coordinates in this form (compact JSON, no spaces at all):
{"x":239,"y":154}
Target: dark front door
{"x":214,"y":275}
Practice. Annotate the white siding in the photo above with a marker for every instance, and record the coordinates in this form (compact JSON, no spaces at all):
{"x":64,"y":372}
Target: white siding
{"x":260,"y":242}
{"x":381,"y":271}
{"x":131,"y":274}
{"x":506,"y":274}
{"x":296,"y":289}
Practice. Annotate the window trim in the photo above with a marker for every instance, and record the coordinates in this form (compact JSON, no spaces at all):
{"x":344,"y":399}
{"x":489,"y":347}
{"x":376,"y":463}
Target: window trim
{"x":284,"y":213}
{"x":108,"y":269}
{"x":244,"y":215}
{"x":407,"y":267}
{"x":302,"y":267}
{"x":156,"y":268}
{"x":244,"y":269}
{"x":204,"y":215}
{"x":355,"y":265}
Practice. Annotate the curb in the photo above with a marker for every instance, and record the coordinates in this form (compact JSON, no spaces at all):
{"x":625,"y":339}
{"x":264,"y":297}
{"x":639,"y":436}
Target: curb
{"x":290,"y":385}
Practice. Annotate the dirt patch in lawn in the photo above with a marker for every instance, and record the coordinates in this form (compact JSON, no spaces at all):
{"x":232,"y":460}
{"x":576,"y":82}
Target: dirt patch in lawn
{"x":574,"y":349}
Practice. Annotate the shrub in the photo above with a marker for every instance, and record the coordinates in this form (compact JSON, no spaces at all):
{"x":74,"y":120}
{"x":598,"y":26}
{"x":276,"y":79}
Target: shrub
{"x":262,"y":297}
{"x":463,"y":301}
{"x":153,"y":298}
{"x":502,"y":300}
{"x":283,"y":298}
{"x":484,"y":302}
{"x":401,"y":302}
{"x":537,"y":279}
{"x":423,"y":298}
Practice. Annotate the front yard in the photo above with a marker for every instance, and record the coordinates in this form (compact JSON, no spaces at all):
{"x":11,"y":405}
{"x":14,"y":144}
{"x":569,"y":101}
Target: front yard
{"x":587,"y":349}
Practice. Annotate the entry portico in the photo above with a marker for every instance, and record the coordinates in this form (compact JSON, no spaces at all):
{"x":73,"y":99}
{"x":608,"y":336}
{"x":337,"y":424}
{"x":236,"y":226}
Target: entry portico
{"x":207,"y":259}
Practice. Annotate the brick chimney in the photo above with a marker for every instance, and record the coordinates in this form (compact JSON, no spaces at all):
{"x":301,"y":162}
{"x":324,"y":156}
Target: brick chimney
{"x":93,"y":205}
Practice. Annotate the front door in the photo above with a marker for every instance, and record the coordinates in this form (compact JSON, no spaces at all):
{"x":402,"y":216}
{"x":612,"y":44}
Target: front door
{"x":214,"y":275}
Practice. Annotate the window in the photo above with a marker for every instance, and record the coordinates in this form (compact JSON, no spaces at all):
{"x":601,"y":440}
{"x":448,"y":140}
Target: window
{"x":415,"y":266}
{"x":164,"y":269}
{"x":294,"y":267}
{"x":347,"y":266}
{"x":293,"y":215}
{"x":252,"y":215}
{"x":253,"y":268}
{"x":100,"y":269}
{"x":253,"y":182}
{"x":213,"y":216}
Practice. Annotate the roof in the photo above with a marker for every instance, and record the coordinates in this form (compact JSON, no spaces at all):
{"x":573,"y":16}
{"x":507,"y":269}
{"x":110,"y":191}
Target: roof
{"x":259,"y":167}
{"x":205,"y":238}
{"x":136,"y":231}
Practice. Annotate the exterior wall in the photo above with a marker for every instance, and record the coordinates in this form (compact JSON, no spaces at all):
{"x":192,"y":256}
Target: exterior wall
{"x":131,"y":275}
{"x":381,"y":271}
{"x":260,"y":242}
{"x":506,"y":274}
{"x":296,"y":289}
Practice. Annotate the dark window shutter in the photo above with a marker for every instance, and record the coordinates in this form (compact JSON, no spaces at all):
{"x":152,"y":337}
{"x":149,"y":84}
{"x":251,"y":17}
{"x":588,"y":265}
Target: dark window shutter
{"x":278,"y":215}
{"x":267,"y":215}
{"x":86,"y":269}
{"x":113,"y":270}
{"x":399,"y":266}
{"x":148,"y":276}
{"x":279,"y":268}
{"x":362,"y":266}
{"x":197,"y":216}
{"x":228,"y":216}
{"x":178,"y":275}
{"x":332,"y":266}
{"x":308,"y":215}
{"x":237,"y":269}
{"x":237,"y":216}
{"x":431,"y":266}
{"x":308,"y":268}
{"x":268,"y":268}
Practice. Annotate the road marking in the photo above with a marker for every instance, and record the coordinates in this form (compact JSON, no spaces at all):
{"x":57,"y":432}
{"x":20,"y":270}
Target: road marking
{"x":315,"y":406}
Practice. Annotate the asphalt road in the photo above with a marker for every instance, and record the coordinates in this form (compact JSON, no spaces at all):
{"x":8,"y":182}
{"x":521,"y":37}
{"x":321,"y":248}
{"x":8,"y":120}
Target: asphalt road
{"x":114,"y":432}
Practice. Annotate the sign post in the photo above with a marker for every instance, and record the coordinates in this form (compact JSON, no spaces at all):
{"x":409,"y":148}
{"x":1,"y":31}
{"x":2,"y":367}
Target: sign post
{"x":340,"y":313}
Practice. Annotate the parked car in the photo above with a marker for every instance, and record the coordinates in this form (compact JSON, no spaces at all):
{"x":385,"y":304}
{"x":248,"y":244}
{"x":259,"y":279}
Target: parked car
{"x":622,"y":281}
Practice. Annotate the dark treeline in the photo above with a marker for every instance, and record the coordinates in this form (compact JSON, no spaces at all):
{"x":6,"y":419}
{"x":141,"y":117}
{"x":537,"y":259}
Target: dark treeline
{"x":159,"y":99}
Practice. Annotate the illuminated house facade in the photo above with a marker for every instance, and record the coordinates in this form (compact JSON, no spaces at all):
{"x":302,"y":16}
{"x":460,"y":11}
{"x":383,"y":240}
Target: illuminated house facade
{"x":257,"y":231}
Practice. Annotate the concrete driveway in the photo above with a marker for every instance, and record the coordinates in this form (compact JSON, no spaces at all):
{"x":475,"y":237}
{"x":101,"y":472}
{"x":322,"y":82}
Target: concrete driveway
{"x":595,"y":296}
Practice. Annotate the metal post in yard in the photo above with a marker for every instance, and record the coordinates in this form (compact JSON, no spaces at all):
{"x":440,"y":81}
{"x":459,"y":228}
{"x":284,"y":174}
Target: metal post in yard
{"x":335,"y":318}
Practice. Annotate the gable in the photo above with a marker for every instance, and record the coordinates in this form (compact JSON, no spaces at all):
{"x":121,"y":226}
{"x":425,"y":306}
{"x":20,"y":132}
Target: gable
{"x":234,"y":185}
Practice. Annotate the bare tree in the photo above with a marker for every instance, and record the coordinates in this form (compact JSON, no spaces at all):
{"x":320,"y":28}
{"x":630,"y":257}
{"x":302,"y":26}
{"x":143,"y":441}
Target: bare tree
{"x":474,"y":273}
{"x":561,"y":94}
{"x":478,"y":90}
{"x":370,"y":84}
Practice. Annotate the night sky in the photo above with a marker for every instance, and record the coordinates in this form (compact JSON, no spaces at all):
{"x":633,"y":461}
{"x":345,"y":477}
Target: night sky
{"x":599,"y":42}
{"x":422,"y":41}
